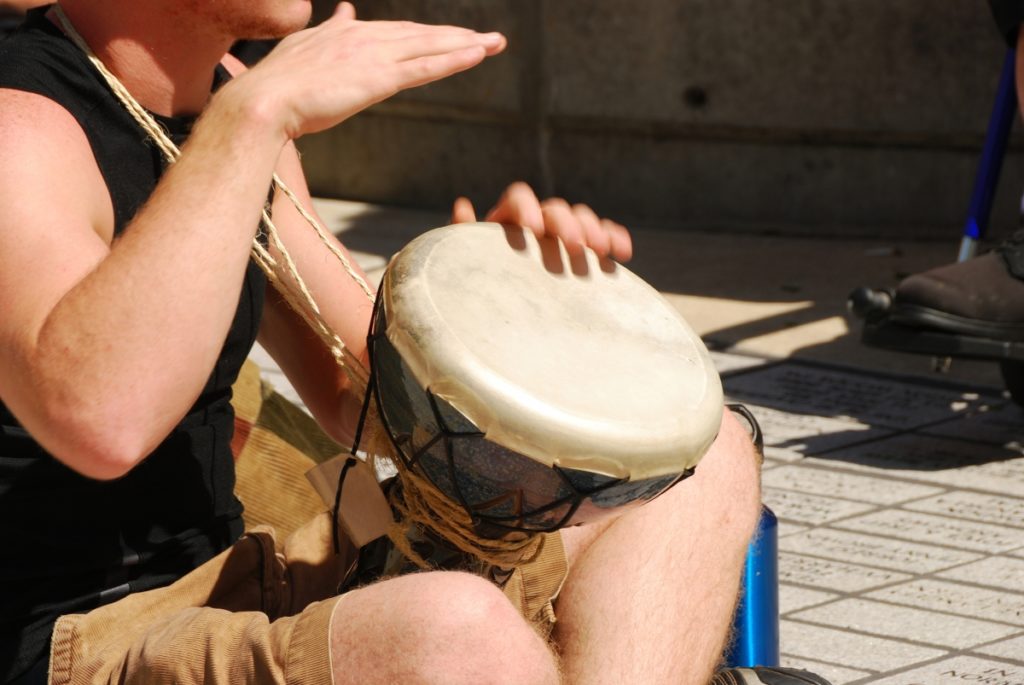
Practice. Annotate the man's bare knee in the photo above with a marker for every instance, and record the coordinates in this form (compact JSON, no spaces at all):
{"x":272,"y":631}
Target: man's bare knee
{"x":436,"y":628}
{"x":744,"y":465}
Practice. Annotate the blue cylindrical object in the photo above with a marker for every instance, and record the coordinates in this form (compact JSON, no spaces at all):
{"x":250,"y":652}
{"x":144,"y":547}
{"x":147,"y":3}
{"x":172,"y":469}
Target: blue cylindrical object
{"x":1004,"y":111}
{"x":756,"y":626}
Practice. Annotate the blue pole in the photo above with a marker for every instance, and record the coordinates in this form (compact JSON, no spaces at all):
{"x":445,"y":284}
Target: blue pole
{"x":756,"y":626}
{"x":1000,"y":123}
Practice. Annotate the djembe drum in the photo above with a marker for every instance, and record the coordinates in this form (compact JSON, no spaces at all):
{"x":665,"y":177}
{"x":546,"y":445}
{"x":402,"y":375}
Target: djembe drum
{"x":524,"y":390}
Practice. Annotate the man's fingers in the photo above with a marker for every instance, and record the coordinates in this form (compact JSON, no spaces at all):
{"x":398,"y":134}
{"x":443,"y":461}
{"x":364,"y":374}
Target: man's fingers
{"x":433,"y":43}
{"x":418,"y":72}
{"x":345,"y":11}
{"x":462,"y":211}
{"x":621,"y":241}
{"x":559,"y":220}
{"x":594,"y":234}
{"x":604,"y":236}
{"x":519,"y":205}
{"x":575,"y":225}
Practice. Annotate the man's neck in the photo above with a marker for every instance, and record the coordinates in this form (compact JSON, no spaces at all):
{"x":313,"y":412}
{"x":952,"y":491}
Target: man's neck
{"x":166,"y":60}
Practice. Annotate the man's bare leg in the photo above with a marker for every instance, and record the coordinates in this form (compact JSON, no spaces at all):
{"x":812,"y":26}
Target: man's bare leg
{"x":650,"y":597}
{"x":443,"y":628}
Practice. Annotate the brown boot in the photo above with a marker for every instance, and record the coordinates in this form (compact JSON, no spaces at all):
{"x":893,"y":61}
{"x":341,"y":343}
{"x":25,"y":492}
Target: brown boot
{"x":981,"y":297}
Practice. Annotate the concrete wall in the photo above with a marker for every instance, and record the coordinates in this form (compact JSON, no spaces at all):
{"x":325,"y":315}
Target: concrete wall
{"x":846,"y":117}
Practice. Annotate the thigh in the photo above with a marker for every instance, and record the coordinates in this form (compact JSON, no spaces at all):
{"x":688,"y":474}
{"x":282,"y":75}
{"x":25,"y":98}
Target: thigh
{"x":733,"y":454}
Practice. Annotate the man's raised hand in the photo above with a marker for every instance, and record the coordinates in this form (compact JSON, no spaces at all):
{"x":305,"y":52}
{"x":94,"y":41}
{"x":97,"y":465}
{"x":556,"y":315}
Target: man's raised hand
{"x":317,"y":78}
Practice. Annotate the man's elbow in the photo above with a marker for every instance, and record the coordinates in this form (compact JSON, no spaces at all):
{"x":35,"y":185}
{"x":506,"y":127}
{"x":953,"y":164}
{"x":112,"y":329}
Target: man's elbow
{"x":339,"y":419}
{"x":101,"y":450}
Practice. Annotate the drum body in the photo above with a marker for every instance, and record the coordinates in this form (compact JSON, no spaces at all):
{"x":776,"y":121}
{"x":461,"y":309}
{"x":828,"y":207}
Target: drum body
{"x":535,"y":389}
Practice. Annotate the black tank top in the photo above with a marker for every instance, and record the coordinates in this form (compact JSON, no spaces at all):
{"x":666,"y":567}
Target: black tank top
{"x":68,"y":543}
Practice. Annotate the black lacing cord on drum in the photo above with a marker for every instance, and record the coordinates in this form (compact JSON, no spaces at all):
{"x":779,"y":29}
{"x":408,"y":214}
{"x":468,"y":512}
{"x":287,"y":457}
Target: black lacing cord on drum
{"x":358,"y":437}
{"x":509,"y":522}
{"x":575,"y":496}
{"x":349,"y":463}
{"x":371,"y":383}
{"x":362,"y":414}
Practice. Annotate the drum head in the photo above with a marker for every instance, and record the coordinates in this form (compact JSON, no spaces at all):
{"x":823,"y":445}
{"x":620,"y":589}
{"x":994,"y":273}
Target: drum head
{"x":575,"y":363}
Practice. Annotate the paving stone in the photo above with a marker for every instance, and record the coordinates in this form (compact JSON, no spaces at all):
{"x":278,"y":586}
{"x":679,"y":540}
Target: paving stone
{"x":836,"y":675}
{"x":729,"y":363}
{"x":998,"y":476}
{"x":909,"y":525}
{"x":782,"y":455}
{"x":834,"y":483}
{"x":998,"y":425}
{"x":874,"y":551}
{"x":791,"y":435}
{"x":834,"y":575}
{"x":872,"y":400}
{"x":941,"y":595}
{"x":1001,"y":573}
{"x":916,"y":625}
{"x":1007,"y":511}
{"x":787,"y":528}
{"x":851,"y":650}
{"x":956,"y":463}
{"x":1007,"y":649}
{"x":793,"y":598}
{"x":810,"y":509}
{"x":958,"y":669}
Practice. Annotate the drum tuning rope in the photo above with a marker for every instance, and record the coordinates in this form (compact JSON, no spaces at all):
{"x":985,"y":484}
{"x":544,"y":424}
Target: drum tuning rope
{"x":282,"y":273}
{"x":420,"y":502}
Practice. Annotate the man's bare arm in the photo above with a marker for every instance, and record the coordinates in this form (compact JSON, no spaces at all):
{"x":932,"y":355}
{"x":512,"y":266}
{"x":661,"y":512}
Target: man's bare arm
{"x":107,"y":346}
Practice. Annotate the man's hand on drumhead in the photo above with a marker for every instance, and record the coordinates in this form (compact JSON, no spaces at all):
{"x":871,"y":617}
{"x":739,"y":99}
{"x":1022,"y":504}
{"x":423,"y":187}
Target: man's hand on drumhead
{"x":576,"y":225}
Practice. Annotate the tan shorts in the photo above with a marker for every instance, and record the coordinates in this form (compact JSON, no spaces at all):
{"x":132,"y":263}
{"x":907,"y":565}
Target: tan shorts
{"x":250,"y":615}
{"x":254,"y":614}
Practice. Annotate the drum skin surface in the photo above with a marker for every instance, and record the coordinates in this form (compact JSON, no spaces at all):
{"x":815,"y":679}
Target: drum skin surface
{"x":574,"y":362}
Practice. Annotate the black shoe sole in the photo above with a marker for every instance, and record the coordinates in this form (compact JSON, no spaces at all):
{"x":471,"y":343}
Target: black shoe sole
{"x":761,"y":675}
{"x":919,"y":316}
{"x":889,"y":335}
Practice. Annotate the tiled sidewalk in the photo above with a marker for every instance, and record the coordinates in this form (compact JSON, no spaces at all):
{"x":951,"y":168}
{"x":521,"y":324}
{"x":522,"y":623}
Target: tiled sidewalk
{"x":901,"y":535}
{"x":900,"y":498}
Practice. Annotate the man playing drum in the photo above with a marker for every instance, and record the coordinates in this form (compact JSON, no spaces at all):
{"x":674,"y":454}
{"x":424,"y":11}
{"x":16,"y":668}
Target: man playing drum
{"x":129,"y":302}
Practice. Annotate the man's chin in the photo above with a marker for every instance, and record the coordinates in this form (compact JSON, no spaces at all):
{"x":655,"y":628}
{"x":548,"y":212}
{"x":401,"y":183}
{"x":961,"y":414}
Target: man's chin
{"x":280,"y":25}
{"x":302,"y":14}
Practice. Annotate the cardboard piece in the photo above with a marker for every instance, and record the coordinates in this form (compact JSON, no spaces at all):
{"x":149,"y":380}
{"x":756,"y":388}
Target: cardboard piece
{"x":364,"y":513}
